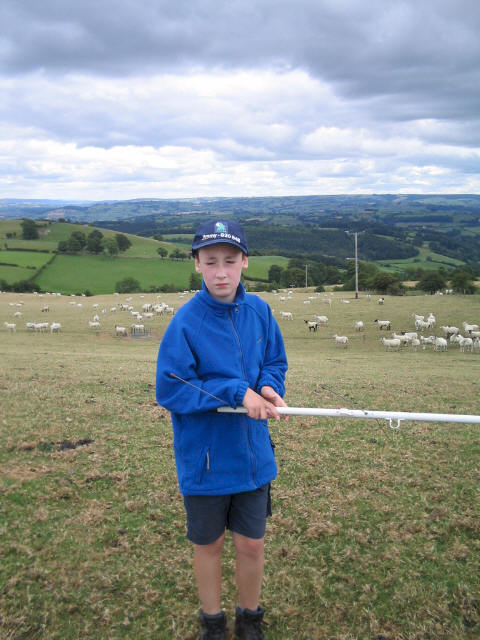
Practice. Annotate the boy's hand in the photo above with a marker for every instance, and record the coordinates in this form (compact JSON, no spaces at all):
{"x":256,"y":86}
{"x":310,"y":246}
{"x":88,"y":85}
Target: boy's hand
{"x":262,"y":407}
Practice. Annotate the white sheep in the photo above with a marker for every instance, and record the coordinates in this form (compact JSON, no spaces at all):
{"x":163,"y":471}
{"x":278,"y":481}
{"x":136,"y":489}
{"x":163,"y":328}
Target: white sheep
{"x":94,"y":324}
{"x":10,"y":326}
{"x":440,"y":344}
{"x":415,"y":342}
{"x":421,"y":325}
{"x":137,"y":328}
{"x":449,"y":330}
{"x":46,"y":308}
{"x":403,"y":337}
{"x":468,"y":328}
{"x":287,"y":315}
{"x":476,"y":344}
{"x":358,"y":325}
{"x":431,"y":320}
{"x":391,"y":344}
{"x":383,"y":324}
{"x":120,"y":331}
{"x":341,"y":341}
{"x":312,"y":325}
{"x":321,"y":320}
{"x":55,"y":327}
{"x":466,"y":344}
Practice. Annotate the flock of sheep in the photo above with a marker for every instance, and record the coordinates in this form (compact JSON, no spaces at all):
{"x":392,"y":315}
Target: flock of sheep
{"x":470,"y":341}
{"x":467,"y":339}
{"x":135,"y":328}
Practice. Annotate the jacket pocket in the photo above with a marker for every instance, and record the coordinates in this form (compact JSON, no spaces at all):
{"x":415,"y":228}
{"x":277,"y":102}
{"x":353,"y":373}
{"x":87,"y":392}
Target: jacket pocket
{"x":203,"y":465}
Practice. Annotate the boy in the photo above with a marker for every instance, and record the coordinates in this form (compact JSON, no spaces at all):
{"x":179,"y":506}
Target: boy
{"x":224,"y":348}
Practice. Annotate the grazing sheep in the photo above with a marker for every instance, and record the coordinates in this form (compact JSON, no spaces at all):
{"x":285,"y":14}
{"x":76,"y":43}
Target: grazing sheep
{"x":341,"y":341}
{"x":312,"y":326}
{"x":404,"y":338}
{"x":94,"y":324}
{"x":287,"y":315}
{"x":321,"y":320}
{"x":381,"y":300}
{"x":476,"y":344}
{"x":10,"y":326}
{"x":449,"y":330}
{"x":383,"y":324}
{"x":431,"y":320}
{"x":391,"y":344}
{"x":120,"y":331}
{"x":440,"y":344}
{"x":358,"y":325}
{"x":466,"y":344}
{"x":421,"y":325}
{"x":415,"y":342}
{"x":468,"y":328}
{"x":55,"y":327}
{"x":46,"y":308}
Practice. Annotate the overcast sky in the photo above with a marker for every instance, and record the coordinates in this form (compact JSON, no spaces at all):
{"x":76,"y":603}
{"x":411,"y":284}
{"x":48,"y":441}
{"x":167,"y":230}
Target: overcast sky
{"x":187,"y":98}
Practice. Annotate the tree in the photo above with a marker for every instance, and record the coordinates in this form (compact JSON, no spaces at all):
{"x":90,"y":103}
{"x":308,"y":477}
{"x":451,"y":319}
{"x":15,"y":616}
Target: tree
{"x":29,"y":229}
{"x":79,"y":236}
{"x":128,"y":285}
{"x":195,"y":282}
{"x":431,"y":281}
{"x":176,"y":254}
{"x":94,"y":242}
{"x":275,"y":274}
{"x":162,"y":252}
{"x":111,"y":247}
{"x":122,"y":241}
{"x":461,"y":282}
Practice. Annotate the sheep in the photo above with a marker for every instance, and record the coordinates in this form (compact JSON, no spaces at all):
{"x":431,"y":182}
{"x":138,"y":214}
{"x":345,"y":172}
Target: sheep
{"x":30,"y":326}
{"x":341,"y":341}
{"x":46,"y":308}
{"x":312,"y":326}
{"x":468,"y":328}
{"x":96,"y":318}
{"x":431,"y":320}
{"x":391,"y":344}
{"x":326,"y":301}
{"x":17,"y":314}
{"x":415,"y":342}
{"x":120,"y":331}
{"x":449,"y":330}
{"x":427,"y":340}
{"x":381,"y":300}
{"x":306,"y":301}
{"x":475,"y":334}
{"x":40,"y":326}
{"x":358,"y":325}
{"x":287,"y":315}
{"x":404,"y":339}
{"x":440,"y":344}
{"x":321,"y":320}
{"x":94,"y":324}
{"x":465,"y":344}
{"x":410,"y":334}
{"x":55,"y":327}
{"x":416,"y":317}
{"x":113,"y":309}
{"x":10,"y":326}
{"x":476,"y":344}
{"x":421,"y":325}
{"x":383,"y":324}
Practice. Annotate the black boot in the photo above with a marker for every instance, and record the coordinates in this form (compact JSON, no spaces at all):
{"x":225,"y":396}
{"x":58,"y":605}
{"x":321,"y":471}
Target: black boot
{"x":213,"y":627}
{"x":248,"y":624}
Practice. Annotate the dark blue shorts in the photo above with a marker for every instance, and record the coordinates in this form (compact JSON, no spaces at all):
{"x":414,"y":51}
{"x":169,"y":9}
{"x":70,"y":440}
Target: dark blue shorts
{"x":243,"y":513}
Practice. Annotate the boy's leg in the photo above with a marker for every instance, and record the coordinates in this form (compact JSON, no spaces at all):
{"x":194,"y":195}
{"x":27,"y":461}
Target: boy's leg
{"x":249,"y":569}
{"x":207,"y":563}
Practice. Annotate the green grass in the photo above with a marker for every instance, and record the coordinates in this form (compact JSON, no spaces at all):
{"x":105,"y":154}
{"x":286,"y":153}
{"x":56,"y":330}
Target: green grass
{"x":24,"y":258}
{"x":99,"y":274}
{"x":375,"y":532}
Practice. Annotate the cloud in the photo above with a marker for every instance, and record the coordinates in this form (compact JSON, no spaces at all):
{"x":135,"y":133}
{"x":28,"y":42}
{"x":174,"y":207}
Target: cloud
{"x":197,"y":97}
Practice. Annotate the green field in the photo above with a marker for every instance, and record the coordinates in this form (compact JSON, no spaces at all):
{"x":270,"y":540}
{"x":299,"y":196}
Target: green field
{"x":98,"y":274}
{"x":375,"y":532}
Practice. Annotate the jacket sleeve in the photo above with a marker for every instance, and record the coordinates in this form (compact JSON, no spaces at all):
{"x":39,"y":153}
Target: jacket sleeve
{"x":275,"y":363}
{"x":177,"y":356}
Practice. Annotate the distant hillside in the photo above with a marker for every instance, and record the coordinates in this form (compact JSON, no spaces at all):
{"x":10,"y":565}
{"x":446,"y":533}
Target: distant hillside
{"x":393,"y":227}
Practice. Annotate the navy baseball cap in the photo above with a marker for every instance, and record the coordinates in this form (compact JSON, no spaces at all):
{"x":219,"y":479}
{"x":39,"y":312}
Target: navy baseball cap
{"x":220,"y":231}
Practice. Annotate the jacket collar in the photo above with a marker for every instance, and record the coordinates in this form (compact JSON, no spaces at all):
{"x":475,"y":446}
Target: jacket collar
{"x":222,"y":307}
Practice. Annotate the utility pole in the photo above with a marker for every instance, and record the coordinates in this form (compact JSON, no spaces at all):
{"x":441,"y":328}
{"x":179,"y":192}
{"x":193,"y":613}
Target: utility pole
{"x":306,"y":276}
{"x":355,"y":235}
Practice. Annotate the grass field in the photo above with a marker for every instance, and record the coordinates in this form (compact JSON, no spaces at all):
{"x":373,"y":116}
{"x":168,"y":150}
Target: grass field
{"x":375,"y":533}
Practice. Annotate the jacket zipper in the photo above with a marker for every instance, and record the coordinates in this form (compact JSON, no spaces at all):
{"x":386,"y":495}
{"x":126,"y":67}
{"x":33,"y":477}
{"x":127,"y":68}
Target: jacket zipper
{"x":239,"y":344}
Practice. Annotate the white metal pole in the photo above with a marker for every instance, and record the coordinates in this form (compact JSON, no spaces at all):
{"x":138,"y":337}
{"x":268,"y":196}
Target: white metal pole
{"x":366,"y":414}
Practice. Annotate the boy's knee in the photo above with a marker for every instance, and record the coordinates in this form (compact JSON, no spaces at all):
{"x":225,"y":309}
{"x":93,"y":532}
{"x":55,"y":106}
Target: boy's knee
{"x":213,"y":549}
{"x":252,"y":547}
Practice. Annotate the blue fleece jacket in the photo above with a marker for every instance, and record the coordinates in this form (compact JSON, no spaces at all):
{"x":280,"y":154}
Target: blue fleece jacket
{"x":222,"y":348}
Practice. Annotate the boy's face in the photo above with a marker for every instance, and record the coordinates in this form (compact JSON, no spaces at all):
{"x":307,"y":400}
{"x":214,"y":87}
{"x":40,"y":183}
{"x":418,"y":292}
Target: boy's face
{"x":221,"y":267}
